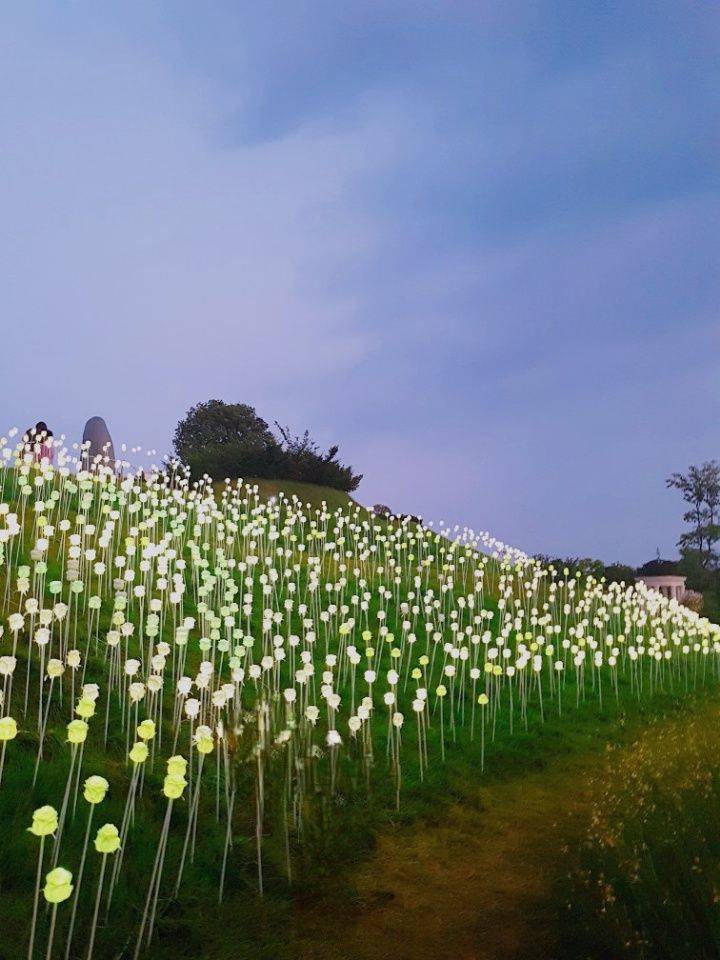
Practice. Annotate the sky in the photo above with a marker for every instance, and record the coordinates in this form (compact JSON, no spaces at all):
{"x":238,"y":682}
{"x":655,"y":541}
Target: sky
{"x":475,"y":244}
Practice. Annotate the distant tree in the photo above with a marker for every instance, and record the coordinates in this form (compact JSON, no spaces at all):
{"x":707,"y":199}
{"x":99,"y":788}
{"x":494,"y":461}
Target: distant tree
{"x":226,"y":440}
{"x":700,"y":489}
{"x":612,"y":572}
{"x":583,"y":565}
{"x":703,"y":578}
{"x":620,"y":573}
{"x":712,"y":504}
{"x":304,"y":461}
{"x":216,"y":423}
{"x":231,"y":440}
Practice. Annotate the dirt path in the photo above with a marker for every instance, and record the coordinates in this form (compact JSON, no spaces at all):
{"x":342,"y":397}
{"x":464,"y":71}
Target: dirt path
{"x":475,"y":886}
{"x":480,"y":883}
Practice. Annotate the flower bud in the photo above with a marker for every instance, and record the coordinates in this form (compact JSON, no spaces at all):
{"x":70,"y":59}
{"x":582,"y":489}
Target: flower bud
{"x":176,"y":766}
{"x":77,"y":731}
{"x":107,"y":839}
{"x":8,"y":729}
{"x":73,"y":659}
{"x":95,"y":789}
{"x":174,"y":786}
{"x":139,"y":753}
{"x":85,"y":708}
{"x":44,"y":821}
{"x":146,"y":730}
{"x":55,"y":668}
{"x":58,"y":885}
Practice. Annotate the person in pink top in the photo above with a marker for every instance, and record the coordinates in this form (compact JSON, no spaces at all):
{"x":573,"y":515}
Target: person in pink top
{"x":38,"y":440}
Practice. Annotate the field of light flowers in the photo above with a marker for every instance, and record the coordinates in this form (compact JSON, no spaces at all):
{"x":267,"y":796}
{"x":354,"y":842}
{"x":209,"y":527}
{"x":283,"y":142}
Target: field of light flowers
{"x":199,"y":688}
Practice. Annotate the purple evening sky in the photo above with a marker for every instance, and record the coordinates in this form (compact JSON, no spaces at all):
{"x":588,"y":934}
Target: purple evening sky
{"x":476,"y":244}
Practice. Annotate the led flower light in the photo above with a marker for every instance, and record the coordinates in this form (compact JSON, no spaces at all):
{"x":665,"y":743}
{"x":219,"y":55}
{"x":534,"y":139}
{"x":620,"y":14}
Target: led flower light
{"x":146,"y":730}
{"x":7,"y":666}
{"x":58,"y":885}
{"x":44,"y":824}
{"x":280,"y":591}
{"x":95,"y":789}
{"x":139,"y":753}
{"x":173,"y":788}
{"x":85,"y":708}
{"x":73,"y":659}
{"x":55,"y":668}
{"x":177,"y":766}
{"x":204,"y":742}
{"x":58,"y":888}
{"x":77,"y":731}
{"x":8,"y":729}
{"x":44,"y":821}
{"x":107,"y":839}
{"x":107,"y":842}
{"x":91,"y":692}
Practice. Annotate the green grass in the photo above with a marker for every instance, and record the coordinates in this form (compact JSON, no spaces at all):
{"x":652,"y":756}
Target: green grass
{"x":485,"y":869}
{"x":339,"y":833}
{"x":307,"y":493}
{"x":645,"y":881}
{"x":340,"y":829}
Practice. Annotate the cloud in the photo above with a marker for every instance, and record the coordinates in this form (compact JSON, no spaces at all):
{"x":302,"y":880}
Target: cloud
{"x":475,"y":244}
{"x":142,"y":261}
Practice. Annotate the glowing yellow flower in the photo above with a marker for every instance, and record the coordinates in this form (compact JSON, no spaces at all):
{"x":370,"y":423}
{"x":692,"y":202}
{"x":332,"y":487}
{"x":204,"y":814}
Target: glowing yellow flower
{"x":8,"y":729}
{"x":176,"y":766}
{"x":58,"y":885}
{"x":139,"y":753}
{"x":85,"y":708}
{"x":174,"y":786}
{"x":77,"y":731}
{"x":146,"y":730}
{"x":95,"y":789}
{"x":107,"y":839}
{"x":44,"y":821}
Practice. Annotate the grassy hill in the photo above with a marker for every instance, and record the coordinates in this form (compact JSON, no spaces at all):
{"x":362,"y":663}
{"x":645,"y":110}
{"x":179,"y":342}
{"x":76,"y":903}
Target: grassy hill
{"x":353,"y":685}
{"x":307,"y":493}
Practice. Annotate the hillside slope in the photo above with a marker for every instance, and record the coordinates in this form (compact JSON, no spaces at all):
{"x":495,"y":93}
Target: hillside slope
{"x":307,"y":493}
{"x":304,"y":680}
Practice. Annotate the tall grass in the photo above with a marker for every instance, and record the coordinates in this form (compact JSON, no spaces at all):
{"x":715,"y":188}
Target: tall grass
{"x":646,"y":880}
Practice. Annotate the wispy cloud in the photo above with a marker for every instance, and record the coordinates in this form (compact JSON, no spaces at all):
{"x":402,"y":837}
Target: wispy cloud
{"x":474,"y":243}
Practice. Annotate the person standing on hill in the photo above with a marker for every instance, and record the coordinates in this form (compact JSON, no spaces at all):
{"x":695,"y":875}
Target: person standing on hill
{"x":38,"y":441}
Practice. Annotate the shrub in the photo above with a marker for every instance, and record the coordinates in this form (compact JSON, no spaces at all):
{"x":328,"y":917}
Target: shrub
{"x":231,"y":440}
{"x":305,"y":462}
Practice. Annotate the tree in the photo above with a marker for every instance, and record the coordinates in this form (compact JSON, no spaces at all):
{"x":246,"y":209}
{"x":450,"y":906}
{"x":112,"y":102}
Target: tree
{"x":620,"y":573}
{"x":700,"y":488}
{"x":216,"y":423}
{"x":231,"y":440}
{"x":712,"y":503}
{"x":226,"y":439}
{"x":304,"y":461}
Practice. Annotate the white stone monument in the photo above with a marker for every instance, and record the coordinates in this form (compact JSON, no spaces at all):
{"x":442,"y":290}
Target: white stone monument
{"x":97,"y":442}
